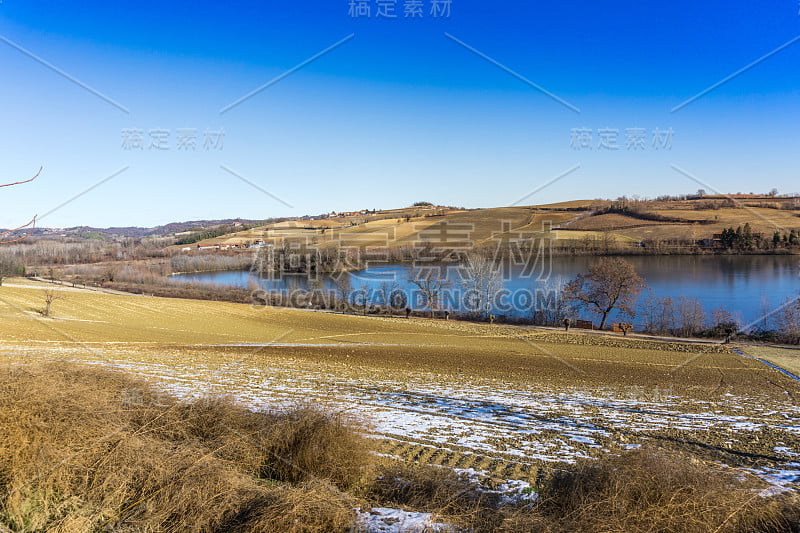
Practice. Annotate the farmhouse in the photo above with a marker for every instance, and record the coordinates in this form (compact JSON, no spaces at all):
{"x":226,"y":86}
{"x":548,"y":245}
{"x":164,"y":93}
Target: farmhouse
{"x":350,"y":213}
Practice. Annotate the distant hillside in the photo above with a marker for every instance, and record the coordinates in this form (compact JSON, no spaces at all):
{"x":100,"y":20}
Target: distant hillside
{"x":134,"y":232}
{"x":668,"y":224}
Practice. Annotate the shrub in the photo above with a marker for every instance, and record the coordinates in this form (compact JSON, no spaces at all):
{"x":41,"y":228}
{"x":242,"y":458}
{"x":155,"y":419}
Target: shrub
{"x":436,"y":490}
{"x":656,"y":490}
{"x":305,"y":443}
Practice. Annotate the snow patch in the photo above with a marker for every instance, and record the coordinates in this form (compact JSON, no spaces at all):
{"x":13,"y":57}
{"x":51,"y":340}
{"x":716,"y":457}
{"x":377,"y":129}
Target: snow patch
{"x":388,"y":520}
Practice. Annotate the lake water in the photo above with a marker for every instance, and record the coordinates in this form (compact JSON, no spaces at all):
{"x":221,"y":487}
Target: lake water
{"x":740,"y":284}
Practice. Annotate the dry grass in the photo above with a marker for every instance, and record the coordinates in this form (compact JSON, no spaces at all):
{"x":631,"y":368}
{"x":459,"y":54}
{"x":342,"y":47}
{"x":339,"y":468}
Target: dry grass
{"x":788,"y":358}
{"x":307,"y":441}
{"x":86,"y":449}
{"x":83,"y":449}
{"x":435,"y":490}
{"x":657,"y":491}
{"x":611,"y":221}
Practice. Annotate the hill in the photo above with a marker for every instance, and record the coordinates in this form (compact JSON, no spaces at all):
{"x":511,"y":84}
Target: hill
{"x":582,"y":224}
{"x":138,"y":232}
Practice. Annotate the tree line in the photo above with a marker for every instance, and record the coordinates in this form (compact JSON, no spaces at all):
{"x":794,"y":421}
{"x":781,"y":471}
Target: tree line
{"x":744,"y":238}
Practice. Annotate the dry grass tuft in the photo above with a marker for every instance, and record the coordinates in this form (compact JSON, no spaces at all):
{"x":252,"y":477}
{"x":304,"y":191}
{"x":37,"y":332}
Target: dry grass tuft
{"x":83,"y":449}
{"x":435,"y":490}
{"x":308,"y":507}
{"x":306,"y":443}
{"x":656,"y":491}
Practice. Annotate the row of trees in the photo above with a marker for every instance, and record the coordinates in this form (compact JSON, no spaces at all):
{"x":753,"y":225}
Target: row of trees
{"x":685,"y":317}
{"x":224,"y":229}
{"x":783,"y":239}
{"x":478,"y":278}
{"x":612,"y":284}
{"x":743,"y":238}
{"x":10,"y":268}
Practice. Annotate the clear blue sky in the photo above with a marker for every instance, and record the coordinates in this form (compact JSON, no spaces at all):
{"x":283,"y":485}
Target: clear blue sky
{"x":399,"y":112}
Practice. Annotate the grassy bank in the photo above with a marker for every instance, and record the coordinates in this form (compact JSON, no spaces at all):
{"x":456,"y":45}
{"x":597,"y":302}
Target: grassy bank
{"x":86,"y":449}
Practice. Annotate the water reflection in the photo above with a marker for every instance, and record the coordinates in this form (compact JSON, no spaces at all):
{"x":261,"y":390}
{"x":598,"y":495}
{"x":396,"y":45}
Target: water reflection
{"x":738,"y":283}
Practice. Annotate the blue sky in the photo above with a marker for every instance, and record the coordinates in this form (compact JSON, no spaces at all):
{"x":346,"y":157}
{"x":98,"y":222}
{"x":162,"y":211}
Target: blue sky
{"x":406,"y":109}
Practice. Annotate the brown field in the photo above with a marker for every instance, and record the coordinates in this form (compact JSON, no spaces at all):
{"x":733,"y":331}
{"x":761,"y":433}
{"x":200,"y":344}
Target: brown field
{"x":487,"y":226}
{"x":760,"y":219}
{"x":610,"y":221}
{"x":399,"y":372}
{"x":574,"y":204}
{"x":385,"y":230}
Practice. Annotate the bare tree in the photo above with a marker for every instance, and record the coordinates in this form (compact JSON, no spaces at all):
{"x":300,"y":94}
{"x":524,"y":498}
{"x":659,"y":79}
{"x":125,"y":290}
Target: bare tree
{"x":608,"y":241}
{"x":667,"y":319}
{"x":691,"y":316}
{"x":549,"y":307}
{"x":391,"y":296}
{"x":612,"y":283}
{"x":788,"y":321}
{"x":721,"y":316}
{"x":344,"y":287}
{"x":50,"y":296}
{"x":658,"y":314}
{"x":724,"y":323}
{"x":362,"y":297}
{"x":649,"y":312}
{"x":480,"y":279}
{"x":431,"y":284}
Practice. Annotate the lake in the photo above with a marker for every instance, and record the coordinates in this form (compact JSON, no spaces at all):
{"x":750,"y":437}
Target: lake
{"x":740,"y":284}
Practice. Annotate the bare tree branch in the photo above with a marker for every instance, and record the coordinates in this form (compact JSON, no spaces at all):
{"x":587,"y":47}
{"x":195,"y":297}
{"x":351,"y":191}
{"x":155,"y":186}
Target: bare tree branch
{"x":24,"y":181}
{"x":32,"y":223}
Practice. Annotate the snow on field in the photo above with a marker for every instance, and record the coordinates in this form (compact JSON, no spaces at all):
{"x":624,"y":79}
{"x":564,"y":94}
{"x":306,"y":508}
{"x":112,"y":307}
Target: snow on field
{"x":387,"y":520}
{"x":521,"y":423}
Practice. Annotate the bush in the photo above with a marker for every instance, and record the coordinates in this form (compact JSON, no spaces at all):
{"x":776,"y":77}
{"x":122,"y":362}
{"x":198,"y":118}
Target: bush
{"x":304,"y":444}
{"x":436,"y":490}
{"x":656,"y":491}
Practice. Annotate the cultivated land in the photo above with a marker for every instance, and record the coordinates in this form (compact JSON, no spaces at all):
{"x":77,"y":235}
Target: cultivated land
{"x":508,"y":402}
{"x":693,"y":219}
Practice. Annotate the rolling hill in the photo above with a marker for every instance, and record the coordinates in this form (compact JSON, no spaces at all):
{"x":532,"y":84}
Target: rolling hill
{"x":626,"y":224}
